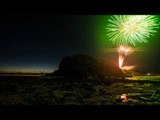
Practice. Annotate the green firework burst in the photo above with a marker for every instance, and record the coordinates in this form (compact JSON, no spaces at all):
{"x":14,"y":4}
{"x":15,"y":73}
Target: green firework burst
{"x":131,"y":29}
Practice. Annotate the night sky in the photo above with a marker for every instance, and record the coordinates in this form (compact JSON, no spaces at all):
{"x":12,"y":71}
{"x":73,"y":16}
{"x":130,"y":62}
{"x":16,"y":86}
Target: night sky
{"x":37,"y":43}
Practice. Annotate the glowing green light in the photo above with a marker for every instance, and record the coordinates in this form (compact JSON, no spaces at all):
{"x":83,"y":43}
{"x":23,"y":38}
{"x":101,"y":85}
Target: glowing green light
{"x":131,"y":29}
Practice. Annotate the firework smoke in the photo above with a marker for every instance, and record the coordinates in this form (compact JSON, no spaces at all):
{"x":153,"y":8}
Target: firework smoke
{"x":127,"y":67}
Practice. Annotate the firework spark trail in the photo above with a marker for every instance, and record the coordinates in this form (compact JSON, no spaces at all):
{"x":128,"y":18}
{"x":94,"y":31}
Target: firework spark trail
{"x":120,"y":60}
{"x":124,"y":51}
{"x":131,"y":29}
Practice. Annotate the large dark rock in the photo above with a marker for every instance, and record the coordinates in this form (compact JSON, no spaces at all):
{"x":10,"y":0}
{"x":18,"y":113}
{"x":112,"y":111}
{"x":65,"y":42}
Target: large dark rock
{"x":84,"y":66}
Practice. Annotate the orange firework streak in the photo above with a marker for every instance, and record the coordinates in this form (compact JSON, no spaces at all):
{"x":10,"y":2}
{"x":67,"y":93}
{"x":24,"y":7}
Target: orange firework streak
{"x":120,"y":60}
{"x":124,"y":51}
